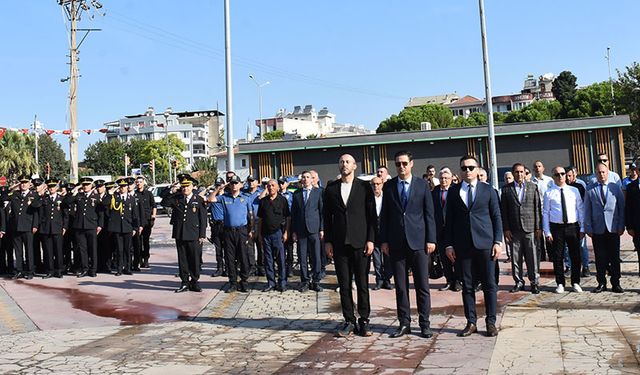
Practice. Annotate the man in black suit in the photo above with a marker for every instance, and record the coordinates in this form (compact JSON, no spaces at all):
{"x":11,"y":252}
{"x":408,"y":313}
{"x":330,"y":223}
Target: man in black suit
{"x":123,"y":222}
{"x":53,"y":225}
{"x":349,"y":224}
{"x":408,"y":236}
{"x":522,"y":223}
{"x":23,"y":221}
{"x":308,"y":231}
{"x":439,"y":194}
{"x":473,"y":234}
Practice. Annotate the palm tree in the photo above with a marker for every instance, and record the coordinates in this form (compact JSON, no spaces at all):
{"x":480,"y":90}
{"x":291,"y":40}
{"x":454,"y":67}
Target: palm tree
{"x":16,"y":154}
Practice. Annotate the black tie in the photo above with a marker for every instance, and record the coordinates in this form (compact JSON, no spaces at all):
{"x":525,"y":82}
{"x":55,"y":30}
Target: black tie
{"x":404,"y":197}
{"x":602,"y":196}
{"x":470,"y":196}
{"x":563,"y":202}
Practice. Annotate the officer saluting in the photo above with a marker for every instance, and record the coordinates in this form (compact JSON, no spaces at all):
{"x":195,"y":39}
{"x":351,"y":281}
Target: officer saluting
{"x":23,"y":223}
{"x":189,"y":219}
{"x":123,"y":222}
{"x":53,"y":225}
{"x":87,"y":223}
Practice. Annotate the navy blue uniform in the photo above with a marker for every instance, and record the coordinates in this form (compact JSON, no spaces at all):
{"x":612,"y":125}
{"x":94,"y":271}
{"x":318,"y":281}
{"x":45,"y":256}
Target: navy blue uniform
{"x":53,"y":220}
{"x":23,"y":218}
{"x":123,"y":220}
{"x":87,"y":217}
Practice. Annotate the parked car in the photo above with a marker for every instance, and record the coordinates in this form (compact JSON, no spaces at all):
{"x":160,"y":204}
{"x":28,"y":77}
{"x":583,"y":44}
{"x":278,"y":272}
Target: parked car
{"x":159,"y":191}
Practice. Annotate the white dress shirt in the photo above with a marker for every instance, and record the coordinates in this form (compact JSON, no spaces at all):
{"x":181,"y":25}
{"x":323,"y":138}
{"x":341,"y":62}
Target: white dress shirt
{"x":520,"y":190}
{"x":345,"y":190}
{"x":378,"y":204}
{"x":404,"y":184}
{"x":464,"y":191}
{"x":552,"y":207}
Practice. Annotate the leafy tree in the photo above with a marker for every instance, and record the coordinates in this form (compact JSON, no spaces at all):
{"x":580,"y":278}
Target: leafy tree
{"x":206,"y":170}
{"x":106,"y":157}
{"x":540,"y":110}
{"x":50,"y":151}
{"x":479,"y":118}
{"x":499,"y":118}
{"x":592,"y":100}
{"x":274,"y":135}
{"x":312,"y":136}
{"x":409,"y":119}
{"x":16,"y":154}
{"x":564,"y":89}
{"x":627,"y":88}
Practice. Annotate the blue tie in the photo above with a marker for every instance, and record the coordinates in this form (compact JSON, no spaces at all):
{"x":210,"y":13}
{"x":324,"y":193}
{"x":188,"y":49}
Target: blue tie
{"x":404,"y":197}
{"x":306,"y":195}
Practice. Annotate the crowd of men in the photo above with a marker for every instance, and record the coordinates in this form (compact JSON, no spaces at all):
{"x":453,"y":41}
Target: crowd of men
{"x":54,"y":229}
{"x":408,"y":226}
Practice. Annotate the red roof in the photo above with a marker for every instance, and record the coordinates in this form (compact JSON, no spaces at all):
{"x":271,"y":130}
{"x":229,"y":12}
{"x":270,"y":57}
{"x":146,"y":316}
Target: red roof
{"x":466,"y":100}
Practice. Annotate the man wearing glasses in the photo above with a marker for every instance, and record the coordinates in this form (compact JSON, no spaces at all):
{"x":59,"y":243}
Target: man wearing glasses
{"x":562,"y":223}
{"x":473,"y":234}
{"x":613,"y":176}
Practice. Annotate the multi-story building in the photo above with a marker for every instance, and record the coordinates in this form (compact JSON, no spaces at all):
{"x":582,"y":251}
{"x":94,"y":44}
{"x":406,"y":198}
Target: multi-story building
{"x":307,"y":123}
{"x":198,"y":130}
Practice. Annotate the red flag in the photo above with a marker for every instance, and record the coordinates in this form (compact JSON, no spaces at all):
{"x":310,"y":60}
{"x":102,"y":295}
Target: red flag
{"x":49,"y":132}
{"x":161,"y":125}
{"x":66,"y":132}
{"x":24,"y":131}
{"x":88,"y":131}
{"x":2,"y":131}
{"x":103,"y":130}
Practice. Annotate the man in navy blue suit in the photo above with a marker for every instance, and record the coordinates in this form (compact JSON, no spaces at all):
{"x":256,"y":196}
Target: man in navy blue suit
{"x":308,"y":231}
{"x":473,"y":234}
{"x":408,"y":236}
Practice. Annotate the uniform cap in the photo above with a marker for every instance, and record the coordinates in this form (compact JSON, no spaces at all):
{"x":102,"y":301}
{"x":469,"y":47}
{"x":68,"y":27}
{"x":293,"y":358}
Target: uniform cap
{"x":235,"y":178}
{"x":122,"y":181}
{"x":37,"y":181}
{"x":52,"y":182}
{"x":86,"y":180}
{"x":24,"y":178}
{"x":99,"y":183}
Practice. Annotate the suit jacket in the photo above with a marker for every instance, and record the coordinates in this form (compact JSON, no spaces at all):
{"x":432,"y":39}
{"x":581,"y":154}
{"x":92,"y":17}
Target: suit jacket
{"x":3,"y":220}
{"x":599,"y":217}
{"x":189,"y":218}
{"x":24,"y":211}
{"x":86,"y":211}
{"x":525,"y":216}
{"x":53,"y":215}
{"x":145,"y":204}
{"x":354,"y":223}
{"x":632,"y":206}
{"x":439,"y":211}
{"x":479,"y":226}
{"x":306,"y":218}
{"x":416,"y":222}
{"x":123,"y":215}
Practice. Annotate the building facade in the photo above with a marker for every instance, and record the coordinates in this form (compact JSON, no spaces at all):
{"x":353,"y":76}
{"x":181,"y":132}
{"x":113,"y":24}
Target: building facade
{"x":198,"y":130}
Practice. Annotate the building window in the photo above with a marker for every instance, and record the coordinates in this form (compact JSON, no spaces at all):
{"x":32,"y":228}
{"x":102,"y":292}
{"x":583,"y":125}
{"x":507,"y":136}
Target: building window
{"x":244,"y":163}
{"x":185,"y":134}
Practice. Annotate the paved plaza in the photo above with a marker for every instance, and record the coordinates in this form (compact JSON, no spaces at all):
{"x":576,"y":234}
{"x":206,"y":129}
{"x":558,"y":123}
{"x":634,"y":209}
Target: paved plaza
{"x":137,"y":325}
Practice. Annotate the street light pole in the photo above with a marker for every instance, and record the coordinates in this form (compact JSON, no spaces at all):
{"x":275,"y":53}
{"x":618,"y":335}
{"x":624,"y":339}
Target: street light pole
{"x":167,"y":113}
{"x":487,"y":89}
{"x":228,"y":86}
{"x":259,"y":86}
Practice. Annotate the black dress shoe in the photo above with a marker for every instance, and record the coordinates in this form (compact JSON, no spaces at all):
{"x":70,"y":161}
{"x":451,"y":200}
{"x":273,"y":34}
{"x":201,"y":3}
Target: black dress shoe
{"x":269,"y":288}
{"x":426,"y":332}
{"x":468,"y":330}
{"x":364,"y":330}
{"x":517,"y":288}
{"x":387,"y":285}
{"x":617,"y":289}
{"x":346,"y":329}
{"x":303,"y":288}
{"x":127,"y":272}
{"x":446,"y":286}
{"x":456,"y":287}
{"x":232,"y":288}
{"x":136,"y":269}
{"x":92,"y":274}
{"x":377,"y":286}
{"x":282,"y":288}
{"x":316,"y":287}
{"x":479,"y":287}
{"x":29,"y":276}
{"x":118,"y":273}
{"x":218,"y":273}
{"x":17,"y":276}
{"x":535,"y":289}
{"x":47,"y":276}
{"x":492,"y":331}
{"x":83,"y":274}
{"x":195,"y":287}
{"x":585,"y":272}
{"x":600,"y":288}
{"x":183,"y":288}
{"x":401,"y":331}
{"x":243,"y":287}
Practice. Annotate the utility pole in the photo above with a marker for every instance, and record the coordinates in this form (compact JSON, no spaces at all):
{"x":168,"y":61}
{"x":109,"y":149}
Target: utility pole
{"x":74,"y":9}
{"x":613,"y":99}
{"x":229,"y":94}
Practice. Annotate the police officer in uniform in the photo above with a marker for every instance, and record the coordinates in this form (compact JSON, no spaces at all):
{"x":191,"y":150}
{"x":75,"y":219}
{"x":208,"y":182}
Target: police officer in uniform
{"x":23,"y":222}
{"x":6,"y":243}
{"x":217,"y":231}
{"x":147,"y":220}
{"x":123,"y":221}
{"x":87,"y":222}
{"x":189,"y":218}
{"x":53,"y":224}
{"x":68,"y":243}
{"x":37,"y":241}
{"x":105,"y":243}
{"x":238,"y":227}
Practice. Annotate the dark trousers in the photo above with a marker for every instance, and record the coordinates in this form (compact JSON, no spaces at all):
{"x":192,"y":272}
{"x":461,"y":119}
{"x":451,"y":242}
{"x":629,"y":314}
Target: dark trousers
{"x":418,"y":260}
{"x":636,"y":245}
{"x":524,"y":249}
{"x":382,"y":268}
{"x":236,"y":241}
{"x":288,"y":248}
{"x":137,"y":250}
{"x":480,"y":261}
{"x":251,"y":250}
{"x":37,"y":252}
{"x":274,"y":249}
{"x":53,"y":258}
{"x":189,"y":253}
{"x":352,"y":262}
{"x":6,"y":254}
{"x":122,"y":242}
{"x":105,"y":248}
{"x":23,"y":246}
{"x":70,"y":252}
{"x":87,"y":249}
{"x":146,"y":236}
{"x":309,"y":250}
{"x":606,"y":247}
{"x":569,"y":235}
{"x":450,"y":270}
{"x":217,"y":238}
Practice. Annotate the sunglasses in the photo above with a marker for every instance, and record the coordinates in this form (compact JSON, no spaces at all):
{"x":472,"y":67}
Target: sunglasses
{"x":603,"y":160}
{"x":402,"y":163}
{"x":559,"y":174}
{"x":234,"y":182}
{"x":467,"y":168}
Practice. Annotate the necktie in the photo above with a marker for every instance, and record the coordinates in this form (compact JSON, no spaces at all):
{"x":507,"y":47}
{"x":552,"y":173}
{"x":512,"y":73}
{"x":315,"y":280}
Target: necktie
{"x":563,"y":203}
{"x":602,"y":196}
{"x":404,"y":197}
{"x":469,"y":196}
{"x":443,"y":199}
{"x":521,"y":195}
{"x":306,"y":195}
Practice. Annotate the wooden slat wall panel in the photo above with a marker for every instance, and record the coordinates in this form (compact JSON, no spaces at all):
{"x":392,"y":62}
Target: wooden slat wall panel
{"x":286,"y":163}
{"x":471,"y":147}
{"x":366,"y":162}
{"x":580,"y":151}
{"x":382,"y":155}
{"x":623,"y":165}
{"x":603,"y":143}
{"x":264,"y":166}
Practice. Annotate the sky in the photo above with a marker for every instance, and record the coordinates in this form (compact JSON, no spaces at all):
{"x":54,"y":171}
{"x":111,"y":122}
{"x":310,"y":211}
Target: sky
{"x":361,"y":59}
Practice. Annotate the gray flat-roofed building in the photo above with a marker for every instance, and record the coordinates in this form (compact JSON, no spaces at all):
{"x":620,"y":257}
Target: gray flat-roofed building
{"x":559,"y":142}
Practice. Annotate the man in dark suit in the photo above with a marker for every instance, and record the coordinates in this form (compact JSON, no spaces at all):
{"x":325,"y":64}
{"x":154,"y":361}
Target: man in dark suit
{"x":350,"y":224}
{"x":308,"y":231}
{"x":23,"y":221}
{"x":189,"y":218}
{"x":473,"y":231}
{"x":604,"y":223}
{"x":522,"y":224}
{"x":408,"y":236}
{"x":632,"y":215}
{"x":53,"y":225}
{"x":439,"y":195}
{"x":123,"y":221}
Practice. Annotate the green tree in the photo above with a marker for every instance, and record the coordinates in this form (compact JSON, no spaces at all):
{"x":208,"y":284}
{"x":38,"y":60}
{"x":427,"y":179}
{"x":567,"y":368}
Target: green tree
{"x":499,"y":118}
{"x":564,"y":88}
{"x":479,"y":119}
{"x":50,"y":151}
{"x":206,"y":170}
{"x":274,"y":135}
{"x":16,"y":154}
{"x":409,"y":119}
{"x":106,"y":157}
{"x":627,"y":89}
{"x":540,"y":110}
{"x":592,"y":100}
